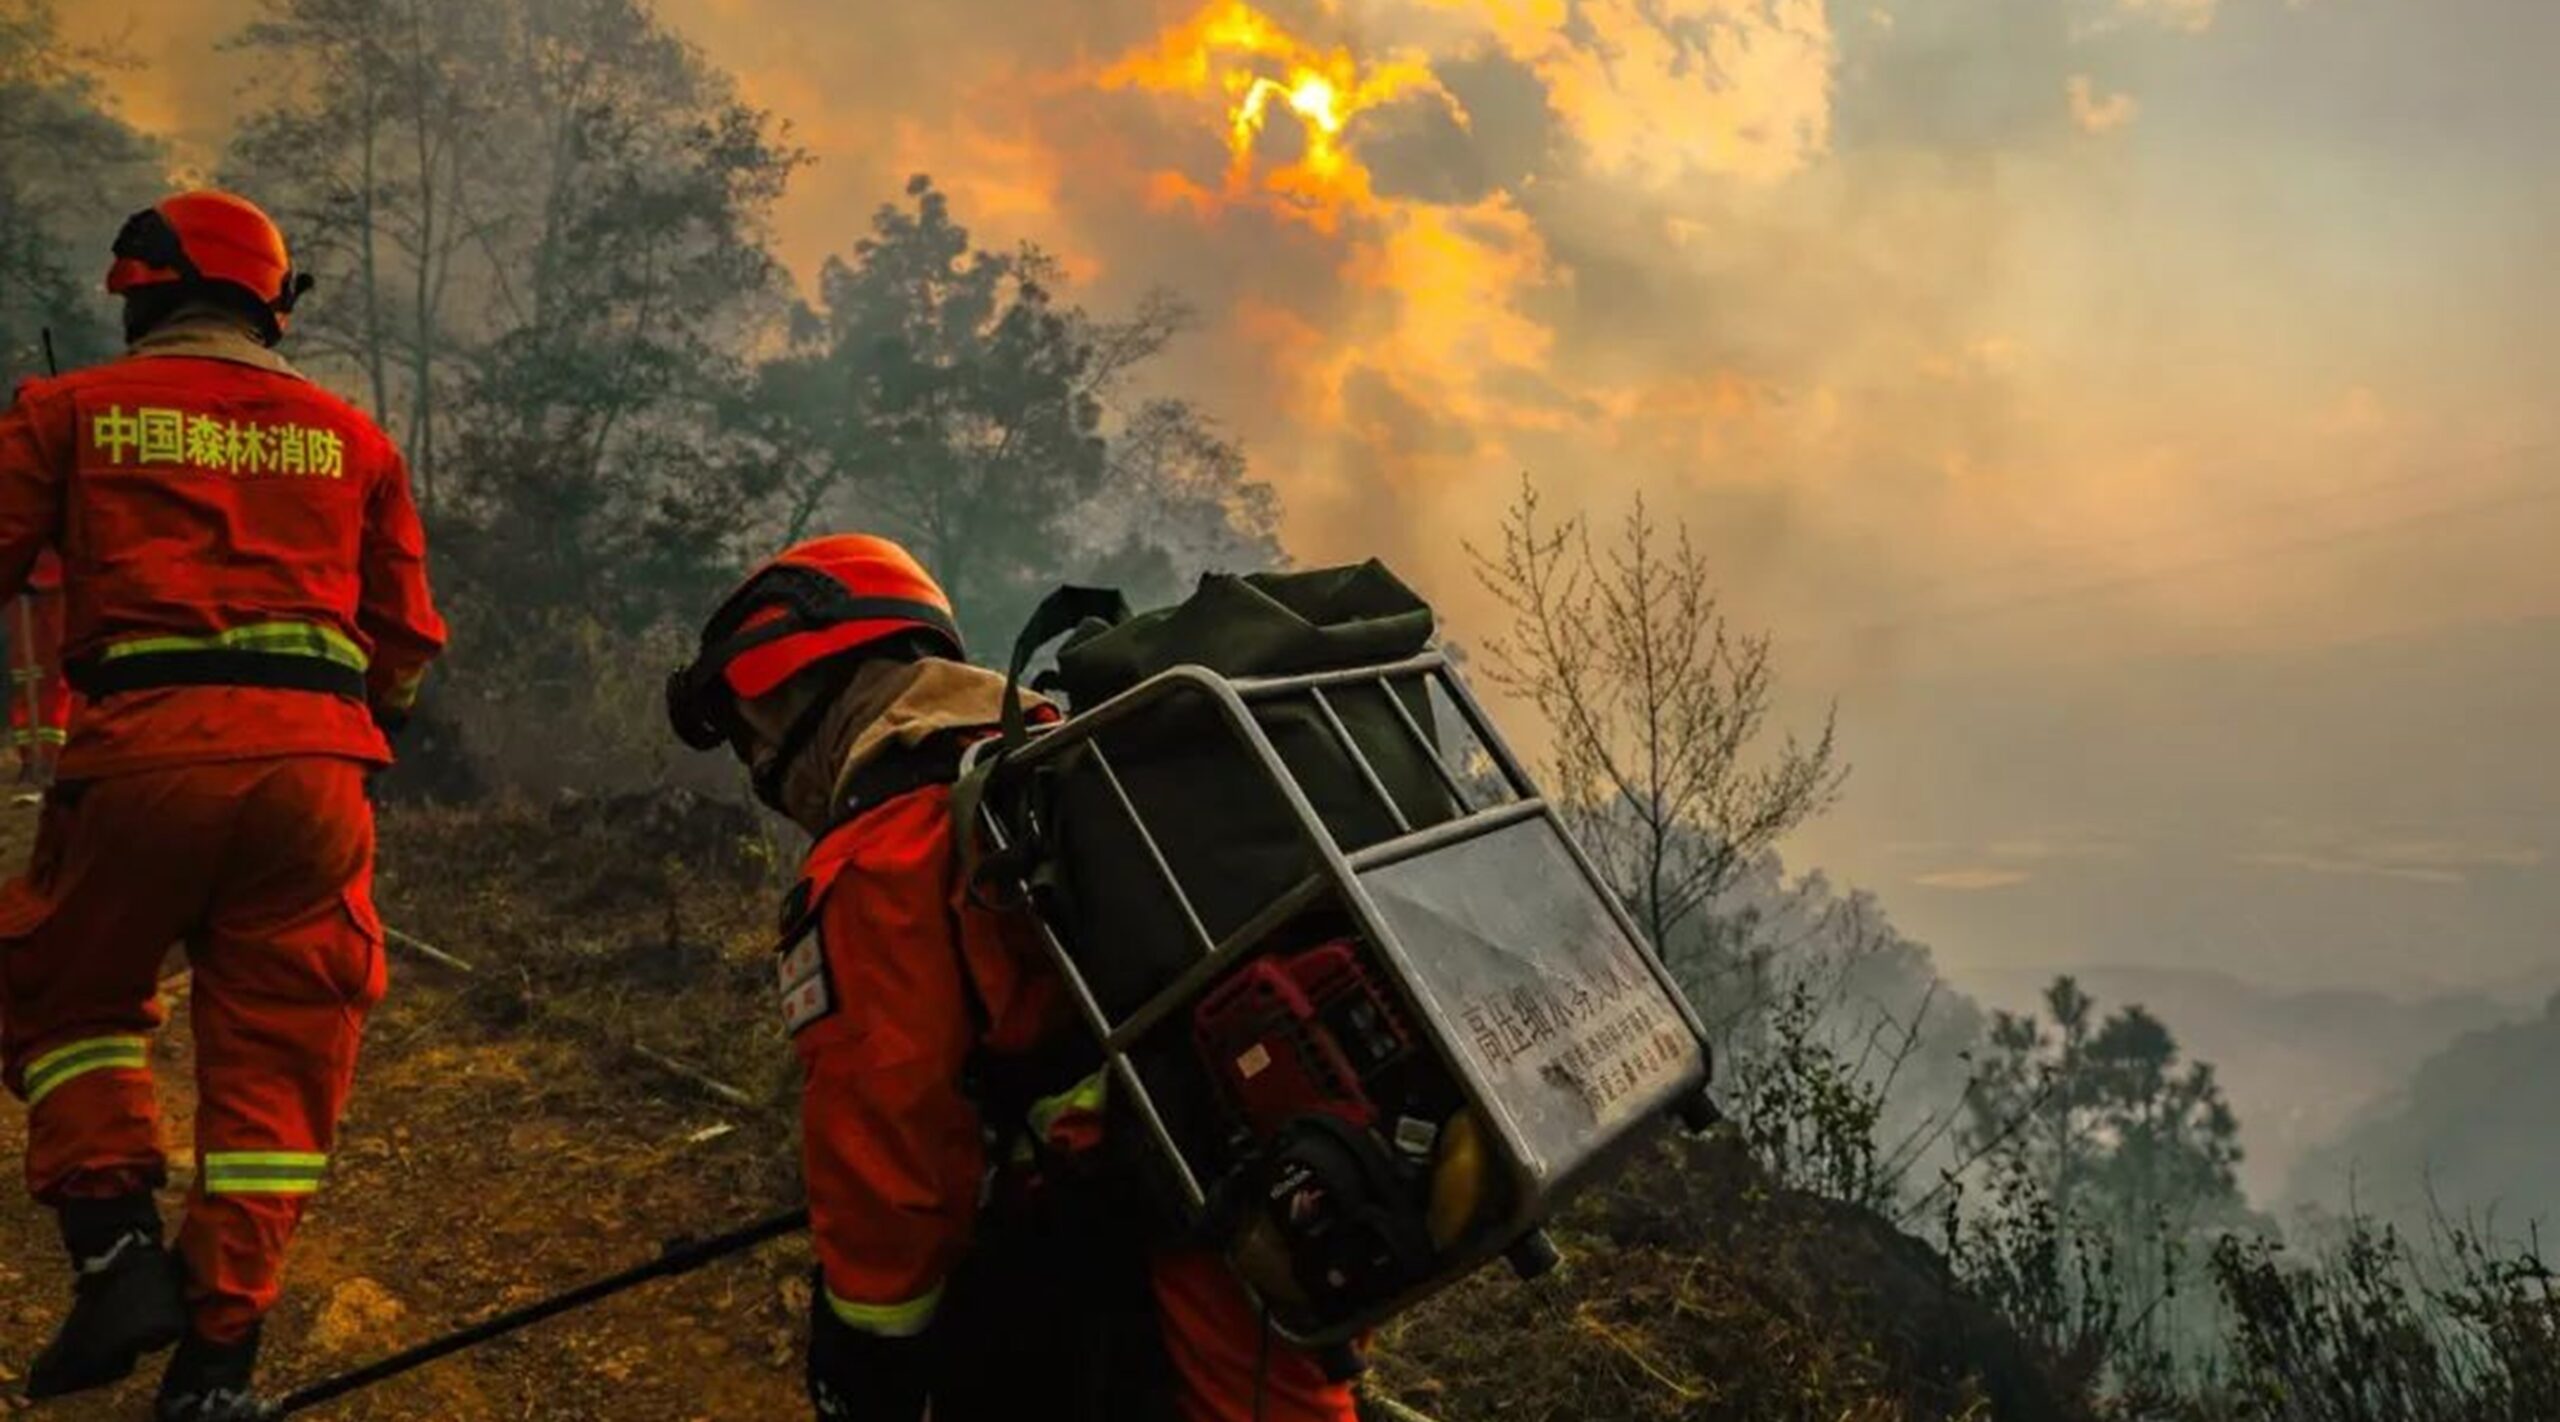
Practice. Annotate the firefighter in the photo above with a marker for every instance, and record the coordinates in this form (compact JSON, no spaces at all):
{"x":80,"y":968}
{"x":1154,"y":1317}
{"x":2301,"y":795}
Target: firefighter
{"x":39,"y":694}
{"x":975,"y":1254}
{"x":248,"y":616}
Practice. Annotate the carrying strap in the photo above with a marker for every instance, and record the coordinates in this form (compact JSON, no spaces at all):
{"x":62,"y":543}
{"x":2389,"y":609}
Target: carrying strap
{"x":1060,"y":613}
{"x":1064,"y":610}
{"x":1003,"y":1086}
{"x":977,"y":867}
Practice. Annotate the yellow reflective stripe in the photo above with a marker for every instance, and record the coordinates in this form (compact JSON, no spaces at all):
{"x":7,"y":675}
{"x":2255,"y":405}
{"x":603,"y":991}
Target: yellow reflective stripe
{"x":263,"y":1172}
{"x":898,"y":1320}
{"x":1087,"y":1096}
{"x":48,"y":1073}
{"x":287,"y":639}
{"x":404,"y":691}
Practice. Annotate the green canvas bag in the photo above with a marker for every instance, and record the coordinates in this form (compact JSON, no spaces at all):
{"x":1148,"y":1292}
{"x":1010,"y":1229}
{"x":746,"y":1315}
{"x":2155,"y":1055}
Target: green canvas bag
{"x":1222,"y":827}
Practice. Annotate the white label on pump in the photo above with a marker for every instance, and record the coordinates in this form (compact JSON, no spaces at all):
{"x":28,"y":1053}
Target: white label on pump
{"x":1556,"y":1012}
{"x":1255,"y":1061}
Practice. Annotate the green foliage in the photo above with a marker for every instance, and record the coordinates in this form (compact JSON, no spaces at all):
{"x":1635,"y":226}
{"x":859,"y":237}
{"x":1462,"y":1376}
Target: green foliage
{"x":947,"y":395}
{"x":2055,"y":1281}
{"x":2102,"y":1112}
{"x":2370,"y":1331}
{"x":69,"y":172}
{"x":1807,"y":1113}
{"x":550,"y":218}
{"x":540,"y":232}
{"x":2460,"y":1129}
{"x":2110,"y":1167}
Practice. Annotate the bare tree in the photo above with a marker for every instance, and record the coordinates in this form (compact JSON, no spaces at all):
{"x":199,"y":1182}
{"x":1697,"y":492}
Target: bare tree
{"x":378,"y":160}
{"x":1658,"y":707}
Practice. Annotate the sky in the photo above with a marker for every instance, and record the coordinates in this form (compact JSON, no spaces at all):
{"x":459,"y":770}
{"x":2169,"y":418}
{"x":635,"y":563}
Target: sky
{"x":2133,"y":415}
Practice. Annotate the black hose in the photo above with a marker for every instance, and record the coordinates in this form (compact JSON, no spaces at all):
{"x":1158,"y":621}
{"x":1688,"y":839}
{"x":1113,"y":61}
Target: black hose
{"x":679,"y":1257}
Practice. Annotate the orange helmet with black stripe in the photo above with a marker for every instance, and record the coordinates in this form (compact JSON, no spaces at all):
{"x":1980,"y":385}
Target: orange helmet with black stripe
{"x":814,"y":602}
{"x":209,"y":239}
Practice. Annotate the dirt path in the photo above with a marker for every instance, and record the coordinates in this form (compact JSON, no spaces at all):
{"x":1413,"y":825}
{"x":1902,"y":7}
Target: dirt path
{"x":480,"y":1171}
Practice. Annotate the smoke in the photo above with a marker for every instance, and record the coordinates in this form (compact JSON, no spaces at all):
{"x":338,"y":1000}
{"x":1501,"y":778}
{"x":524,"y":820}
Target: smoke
{"x":1879,"y":293}
{"x":1988,"y":344}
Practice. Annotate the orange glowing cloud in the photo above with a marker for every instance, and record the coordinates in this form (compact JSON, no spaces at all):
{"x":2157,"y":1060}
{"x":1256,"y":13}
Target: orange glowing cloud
{"x":1454,"y":275}
{"x":1444,"y":360}
{"x":1244,"y":60}
{"x":1436,"y":288}
{"x":1659,"y":90}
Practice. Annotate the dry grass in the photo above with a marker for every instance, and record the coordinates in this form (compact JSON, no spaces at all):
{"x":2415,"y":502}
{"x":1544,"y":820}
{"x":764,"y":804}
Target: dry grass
{"x":1697,"y":1289}
{"x":1699,"y":1292}
{"x":638,"y":925}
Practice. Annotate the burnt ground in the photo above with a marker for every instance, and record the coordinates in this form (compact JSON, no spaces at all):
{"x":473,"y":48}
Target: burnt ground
{"x":544,"y":1120}
{"x":494,"y":1154}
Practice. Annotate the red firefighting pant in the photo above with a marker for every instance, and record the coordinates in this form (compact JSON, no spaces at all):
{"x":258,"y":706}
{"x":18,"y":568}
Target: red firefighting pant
{"x":264,"y":870}
{"x":1225,"y":1369}
{"x":39,"y":693}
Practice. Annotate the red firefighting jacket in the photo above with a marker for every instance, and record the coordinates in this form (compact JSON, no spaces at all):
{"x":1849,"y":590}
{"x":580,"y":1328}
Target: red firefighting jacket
{"x":40,"y":701}
{"x":892,"y":979}
{"x":46,"y":575}
{"x":212,"y":508}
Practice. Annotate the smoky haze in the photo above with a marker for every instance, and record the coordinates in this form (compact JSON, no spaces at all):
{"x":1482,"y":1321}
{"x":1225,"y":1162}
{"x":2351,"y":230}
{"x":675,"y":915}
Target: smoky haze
{"x":2134,"y":413}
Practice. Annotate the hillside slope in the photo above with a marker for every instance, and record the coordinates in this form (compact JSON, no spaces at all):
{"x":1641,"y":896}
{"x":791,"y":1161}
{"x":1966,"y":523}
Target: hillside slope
{"x":482,"y":1166}
{"x":2300,"y":1066}
{"x":518,"y":1130}
{"x":2475,"y":1131}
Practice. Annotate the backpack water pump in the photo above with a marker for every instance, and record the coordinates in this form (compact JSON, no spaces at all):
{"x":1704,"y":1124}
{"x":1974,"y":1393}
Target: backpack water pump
{"x":1370,"y":1007}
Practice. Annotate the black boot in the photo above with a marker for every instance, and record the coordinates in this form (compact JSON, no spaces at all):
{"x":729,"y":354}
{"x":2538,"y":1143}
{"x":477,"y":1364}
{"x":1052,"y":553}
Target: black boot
{"x":209,"y":1382}
{"x":126,"y":1300}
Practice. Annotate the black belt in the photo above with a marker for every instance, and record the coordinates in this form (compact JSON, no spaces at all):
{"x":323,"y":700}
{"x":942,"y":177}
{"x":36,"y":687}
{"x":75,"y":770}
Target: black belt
{"x":145,"y":671}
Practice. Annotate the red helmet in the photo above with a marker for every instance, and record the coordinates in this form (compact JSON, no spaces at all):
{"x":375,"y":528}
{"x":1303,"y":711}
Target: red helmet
{"x":209,"y":238}
{"x":815,"y":600}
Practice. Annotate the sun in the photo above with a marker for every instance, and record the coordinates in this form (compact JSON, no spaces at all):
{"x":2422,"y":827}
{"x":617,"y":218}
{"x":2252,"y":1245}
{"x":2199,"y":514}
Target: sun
{"x":1316,"y":100}
{"x":1238,"y":59}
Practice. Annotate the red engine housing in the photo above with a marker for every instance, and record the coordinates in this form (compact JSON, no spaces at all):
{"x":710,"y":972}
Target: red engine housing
{"x":1286,"y":1037}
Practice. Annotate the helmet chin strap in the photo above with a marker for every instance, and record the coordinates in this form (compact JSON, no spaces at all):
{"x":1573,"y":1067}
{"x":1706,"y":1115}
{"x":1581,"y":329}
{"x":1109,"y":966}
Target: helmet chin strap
{"x":772,"y":775}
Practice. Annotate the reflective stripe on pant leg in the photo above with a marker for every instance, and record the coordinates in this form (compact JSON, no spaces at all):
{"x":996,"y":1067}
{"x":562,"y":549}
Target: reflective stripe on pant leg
{"x":1086,"y":1097}
{"x":1068,"y":1123}
{"x":51,"y":1072}
{"x":895,"y":1320}
{"x":263,"y":1172}
{"x":116,"y":876}
{"x":284,"y":977}
{"x":92,"y":1121}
